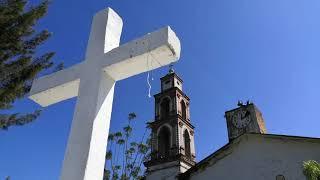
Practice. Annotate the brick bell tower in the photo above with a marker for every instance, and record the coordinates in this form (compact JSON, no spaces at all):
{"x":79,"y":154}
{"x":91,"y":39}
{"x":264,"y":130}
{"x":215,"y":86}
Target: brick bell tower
{"x":172,"y":135}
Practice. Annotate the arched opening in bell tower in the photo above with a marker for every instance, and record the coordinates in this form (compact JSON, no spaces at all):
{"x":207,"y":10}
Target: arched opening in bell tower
{"x":164,"y":142}
{"x":183,"y":110}
{"x":187,"y":143}
{"x":165,"y":107}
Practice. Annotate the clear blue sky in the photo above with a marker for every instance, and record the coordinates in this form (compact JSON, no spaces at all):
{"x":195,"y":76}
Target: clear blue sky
{"x":265,"y":51}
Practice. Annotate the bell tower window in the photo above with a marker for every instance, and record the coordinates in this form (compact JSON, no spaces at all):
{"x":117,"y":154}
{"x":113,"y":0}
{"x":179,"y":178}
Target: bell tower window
{"x":164,"y":142}
{"x":187,"y":143}
{"x":183,"y":110}
{"x":165,"y":108}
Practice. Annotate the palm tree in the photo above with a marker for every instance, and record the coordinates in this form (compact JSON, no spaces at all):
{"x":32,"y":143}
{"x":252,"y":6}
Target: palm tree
{"x":130,"y":153}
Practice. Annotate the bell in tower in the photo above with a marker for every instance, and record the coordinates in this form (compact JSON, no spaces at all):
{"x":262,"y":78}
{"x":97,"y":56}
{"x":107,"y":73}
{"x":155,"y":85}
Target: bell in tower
{"x":172,"y":135}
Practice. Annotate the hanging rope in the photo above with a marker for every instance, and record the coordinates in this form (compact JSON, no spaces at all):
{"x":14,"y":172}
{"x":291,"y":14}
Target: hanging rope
{"x":148,"y":81}
{"x":149,"y":71}
{"x":148,"y":77}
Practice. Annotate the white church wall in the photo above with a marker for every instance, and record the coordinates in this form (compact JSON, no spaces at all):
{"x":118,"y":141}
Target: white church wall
{"x":162,"y":172}
{"x":261,"y":158}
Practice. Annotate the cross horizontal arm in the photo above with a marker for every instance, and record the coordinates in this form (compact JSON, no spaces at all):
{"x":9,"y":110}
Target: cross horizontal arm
{"x":56,"y":87}
{"x":160,"y":48}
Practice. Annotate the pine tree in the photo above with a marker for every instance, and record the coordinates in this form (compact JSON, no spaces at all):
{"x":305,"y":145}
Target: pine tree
{"x":19,"y":61}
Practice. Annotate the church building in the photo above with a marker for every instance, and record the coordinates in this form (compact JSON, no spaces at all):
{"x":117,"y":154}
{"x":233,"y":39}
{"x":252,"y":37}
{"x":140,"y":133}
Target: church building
{"x":250,"y":154}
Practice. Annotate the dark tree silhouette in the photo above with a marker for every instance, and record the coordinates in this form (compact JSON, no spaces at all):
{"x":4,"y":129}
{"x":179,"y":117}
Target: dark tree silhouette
{"x":19,"y":61}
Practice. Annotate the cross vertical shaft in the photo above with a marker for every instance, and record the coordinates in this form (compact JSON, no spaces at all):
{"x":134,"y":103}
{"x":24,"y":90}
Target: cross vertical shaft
{"x":90,"y":126}
{"x":89,"y":130}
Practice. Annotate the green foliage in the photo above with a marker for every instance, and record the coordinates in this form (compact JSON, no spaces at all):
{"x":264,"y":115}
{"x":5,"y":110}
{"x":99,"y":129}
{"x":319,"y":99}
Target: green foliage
{"x":125,"y":157}
{"x":108,"y":155}
{"x":19,"y":62}
{"x":121,"y":141}
{"x":127,"y":130}
{"x":106,"y":174}
{"x":311,"y":169}
{"x":131,"y":116}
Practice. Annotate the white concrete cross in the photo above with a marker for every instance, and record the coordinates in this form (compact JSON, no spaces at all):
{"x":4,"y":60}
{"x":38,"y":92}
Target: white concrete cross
{"x":93,"y":82}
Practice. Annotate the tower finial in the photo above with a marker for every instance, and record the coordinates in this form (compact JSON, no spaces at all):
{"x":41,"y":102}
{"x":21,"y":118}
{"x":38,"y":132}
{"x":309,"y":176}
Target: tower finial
{"x":171,"y":70}
{"x":240,"y":103}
